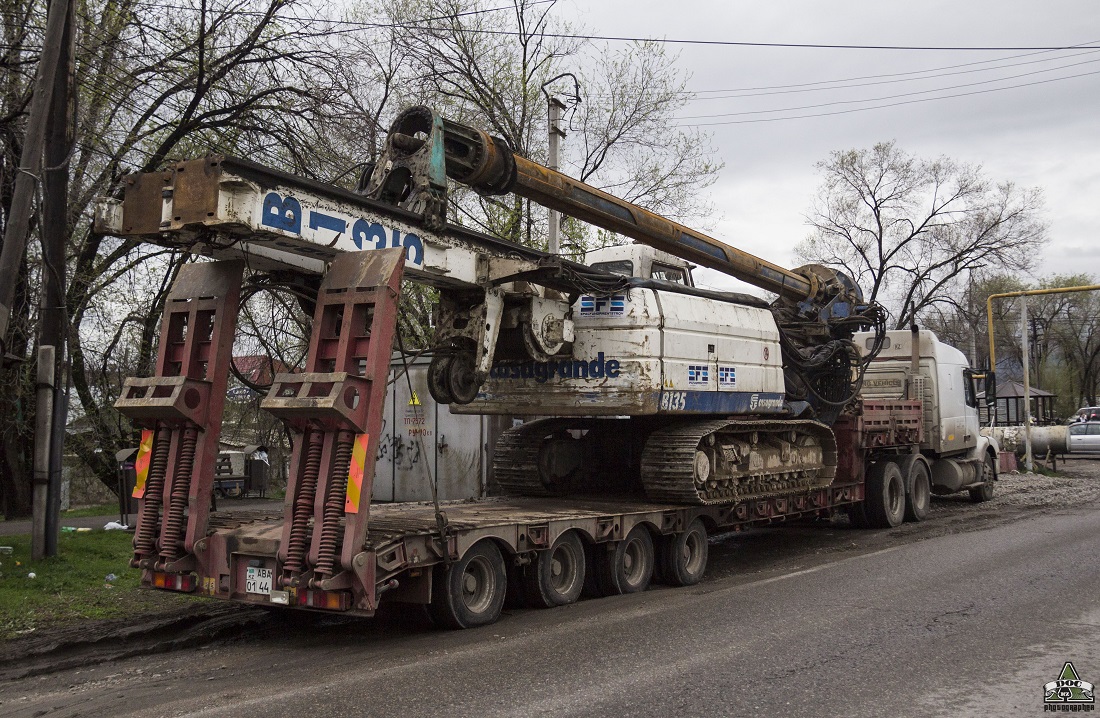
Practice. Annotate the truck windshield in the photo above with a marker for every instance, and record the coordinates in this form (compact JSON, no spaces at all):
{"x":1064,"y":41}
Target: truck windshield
{"x":620,"y":266}
{"x":667,"y":273}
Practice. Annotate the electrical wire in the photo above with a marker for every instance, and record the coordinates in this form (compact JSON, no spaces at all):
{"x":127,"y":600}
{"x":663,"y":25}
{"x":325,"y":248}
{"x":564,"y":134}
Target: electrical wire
{"x":925,"y":76}
{"x":892,"y":97}
{"x":888,"y":105}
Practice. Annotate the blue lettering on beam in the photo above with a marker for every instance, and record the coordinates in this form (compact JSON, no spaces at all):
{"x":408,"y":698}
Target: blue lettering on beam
{"x":280,"y":213}
{"x":363,"y":231}
{"x":285,"y":213}
{"x":414,"y":249}
{"x":317,"y":220}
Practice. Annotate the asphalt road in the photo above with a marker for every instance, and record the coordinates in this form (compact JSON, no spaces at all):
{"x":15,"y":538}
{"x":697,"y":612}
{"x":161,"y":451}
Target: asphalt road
{"x":820,"y":620}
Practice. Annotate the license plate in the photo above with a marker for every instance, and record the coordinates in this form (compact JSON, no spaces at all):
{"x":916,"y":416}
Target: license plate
{"x":258,"y":580}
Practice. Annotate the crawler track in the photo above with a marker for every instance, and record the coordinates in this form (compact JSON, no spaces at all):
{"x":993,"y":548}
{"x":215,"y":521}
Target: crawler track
{"x":516,"y":458}
{"x":746,"y":460}
{"x":669,"y":459}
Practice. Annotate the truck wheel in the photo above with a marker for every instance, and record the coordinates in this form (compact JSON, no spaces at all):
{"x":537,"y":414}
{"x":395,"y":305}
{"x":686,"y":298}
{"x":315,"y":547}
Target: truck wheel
{"x":628,"y":567}
{"x":556,"y":576}
{"x":470,"y":592}
{"x":985,"y":491}
{"x":684,"y":556}
{"x":884,"y":504}
{"x":919,"y":499}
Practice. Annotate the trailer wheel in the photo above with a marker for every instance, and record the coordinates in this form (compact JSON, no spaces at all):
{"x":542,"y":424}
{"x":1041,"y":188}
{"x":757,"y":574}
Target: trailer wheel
{"x":556,"y":576}
{"x":919,"y":499}
{"x":985,"y":491}
{"x":884,"y":505}
{"x":683,"y":556}
{"x":470,"y":592}
{"x":628,"y":568}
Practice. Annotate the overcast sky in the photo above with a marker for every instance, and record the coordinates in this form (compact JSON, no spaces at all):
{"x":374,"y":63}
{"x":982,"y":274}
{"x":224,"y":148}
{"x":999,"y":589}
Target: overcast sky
{"x":1044,"y":135}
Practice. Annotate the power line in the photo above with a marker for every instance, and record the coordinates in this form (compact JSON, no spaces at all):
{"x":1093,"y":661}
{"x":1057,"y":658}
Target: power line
{"x":359,"y":24}
{"x":735,"y":43}
{"x":421,"y":25}
{"x":925,"y":76}
{"x":891,"y":97}
{"x":892,"y":104}
{"x":1084,"y":45}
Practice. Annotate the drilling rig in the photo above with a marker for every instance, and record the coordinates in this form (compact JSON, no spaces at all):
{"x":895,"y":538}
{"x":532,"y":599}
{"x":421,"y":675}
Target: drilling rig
{"x":669,"y":411}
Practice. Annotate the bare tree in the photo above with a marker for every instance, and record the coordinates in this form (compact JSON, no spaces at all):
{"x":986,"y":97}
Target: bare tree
{"x":489,"y":68}
{"x":908,"y":229}
{"x":1074,"y":330}
{"x":627,"y":141}
{"x":22,"y":22}
{"x":257,"y":78}
{"x":1064,"y":352}
{"x":960,"y":319}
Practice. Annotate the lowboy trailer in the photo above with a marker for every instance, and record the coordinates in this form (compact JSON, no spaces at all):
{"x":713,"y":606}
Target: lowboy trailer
{"x":672,"y":412}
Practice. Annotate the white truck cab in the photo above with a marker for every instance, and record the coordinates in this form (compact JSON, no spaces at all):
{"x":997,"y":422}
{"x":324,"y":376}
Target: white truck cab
{"x":639,"y":260}
{"x":955,"y":450}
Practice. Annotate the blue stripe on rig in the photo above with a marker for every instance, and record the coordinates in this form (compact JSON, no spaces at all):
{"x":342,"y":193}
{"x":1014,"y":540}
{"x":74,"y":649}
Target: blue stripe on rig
{"x":722,"y":402}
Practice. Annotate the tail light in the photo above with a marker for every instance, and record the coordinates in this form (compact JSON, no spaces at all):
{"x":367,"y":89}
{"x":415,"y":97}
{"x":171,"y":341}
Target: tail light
{"x":329,"y":600}
{"x":185,"y":582}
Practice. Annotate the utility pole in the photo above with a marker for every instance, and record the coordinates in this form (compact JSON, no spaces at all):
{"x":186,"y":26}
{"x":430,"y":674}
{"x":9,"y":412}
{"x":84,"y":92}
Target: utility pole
{"x":30,"y":164}
{"x":555,"y":106}
{"x":50,"y":115}
{"x":52,"y":326}
{"x":1027,"y":384}
{"x":970,"y":315}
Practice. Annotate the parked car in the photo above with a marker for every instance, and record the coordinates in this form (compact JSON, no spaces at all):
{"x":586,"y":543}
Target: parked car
{"x":1084,"y":437}
{"x":1086,"y":413}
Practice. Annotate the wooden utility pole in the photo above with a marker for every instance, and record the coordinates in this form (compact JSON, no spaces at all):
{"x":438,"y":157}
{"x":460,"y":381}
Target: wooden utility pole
{"x":52,"y":327}
{"x":49,"y":114}
{"x":30,"y":164}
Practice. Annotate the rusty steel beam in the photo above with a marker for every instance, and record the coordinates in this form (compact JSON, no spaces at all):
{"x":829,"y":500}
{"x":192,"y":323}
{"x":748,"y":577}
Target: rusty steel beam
{"x":488,"y":165}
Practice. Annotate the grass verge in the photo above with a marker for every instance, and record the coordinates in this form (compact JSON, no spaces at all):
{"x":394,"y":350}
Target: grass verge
{"x":100,"y":510}
{"x":71,"y":586}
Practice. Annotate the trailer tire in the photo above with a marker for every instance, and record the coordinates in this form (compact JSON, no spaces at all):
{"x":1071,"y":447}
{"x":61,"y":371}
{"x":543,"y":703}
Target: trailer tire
{"x":628,"y":567}
{"x":985,"y":492}
{"x":918,"y":498}
{"x":556,"y":576}
{"x":857,"y":517}
{"x":470,"y":592}
{"x":884,"y":504}
{"x":683,"y":556}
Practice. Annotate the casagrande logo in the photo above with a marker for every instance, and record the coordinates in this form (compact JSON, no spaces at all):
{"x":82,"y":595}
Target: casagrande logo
{"x":542,"y":371}
{"x":1069,"y":693}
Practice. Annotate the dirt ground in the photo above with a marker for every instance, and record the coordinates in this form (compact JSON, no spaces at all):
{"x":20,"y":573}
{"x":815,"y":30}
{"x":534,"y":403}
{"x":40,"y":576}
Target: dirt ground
{"x":744,"y":554}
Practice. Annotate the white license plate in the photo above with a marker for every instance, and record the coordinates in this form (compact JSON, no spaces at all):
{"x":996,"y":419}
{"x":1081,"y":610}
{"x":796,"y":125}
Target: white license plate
{"x":258,"y":580}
